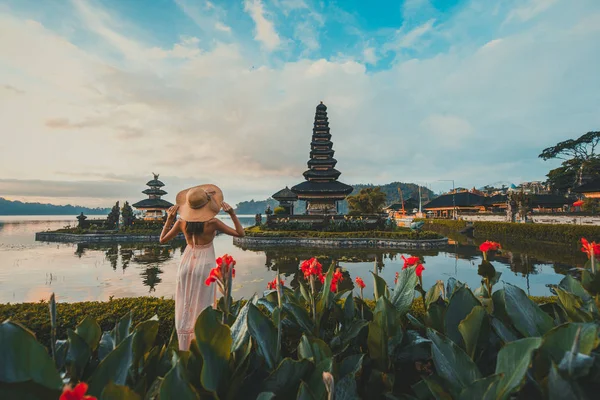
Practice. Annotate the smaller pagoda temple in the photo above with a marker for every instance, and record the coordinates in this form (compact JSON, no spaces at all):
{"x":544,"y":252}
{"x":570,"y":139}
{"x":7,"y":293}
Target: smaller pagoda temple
{"x":321,"y":190}
{"x":153,"y":207}
{"x":286,"y":199}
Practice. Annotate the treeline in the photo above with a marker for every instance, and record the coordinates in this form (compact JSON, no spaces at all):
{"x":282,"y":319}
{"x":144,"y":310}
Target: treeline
{"x":410,"y":192}
{"x":8,"y":207}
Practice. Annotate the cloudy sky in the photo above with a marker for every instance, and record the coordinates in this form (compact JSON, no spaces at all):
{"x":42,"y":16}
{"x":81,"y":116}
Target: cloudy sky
{"x":95,"y":95}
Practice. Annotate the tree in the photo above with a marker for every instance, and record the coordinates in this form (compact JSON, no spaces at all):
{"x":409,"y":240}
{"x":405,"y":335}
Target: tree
{"x":113,"y":217}
{"x":127,"y":214}
{"x":367,"y":201}
{"x":579,"y":160}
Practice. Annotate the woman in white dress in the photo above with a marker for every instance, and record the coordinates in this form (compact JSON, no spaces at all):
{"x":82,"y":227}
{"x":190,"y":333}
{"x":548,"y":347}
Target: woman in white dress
{"x":198,"y":207}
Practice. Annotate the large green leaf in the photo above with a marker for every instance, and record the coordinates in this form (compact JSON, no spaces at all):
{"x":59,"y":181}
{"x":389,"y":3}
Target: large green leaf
{"x":452,"y":363}
{"x":525,"y":315}
{"x":349,"y":308}
{"x":348,"y":333}
{"x":78,"y":355}
{"x":304,"y":392}
{"x":239,"y":329}
{"x":118,"y":392}
{"x":114,"y":367}
{"x":176,"y":385}
{"x":27,"y":391}
{"x":434,"y":317}
{"x":434,"y":293}
{"x":437,"y":389}
{"x":404,"y":292}
{"x":300,"y":316}
{"x":23,"y":359}
{"x":351,"y":365}
{"x":122,"y":328}
{"x":214,"y":341}
{"x":513,"y":361}
{"x":504,"y":333}
{"x":326,"y":297}
{"x":385,"y":324}
{"x":560,"y":388}
{"x":557,"y":341}
{"x":461,"y":304}
{"x":573,"y":286}
{"x":313,"y":349}
{"x":107,"y":344}
{"x":284,"y":380}
{"x":345,"y":389}
{"x":573,"y":306}
{"x":482,"y":389}
{"x":472,"y":328}
{"x":315,"y":382}
{"x":264,"y":333}
{"x":144,"y":336}
{"x":380,"y":287}
{"x":90,"y":331}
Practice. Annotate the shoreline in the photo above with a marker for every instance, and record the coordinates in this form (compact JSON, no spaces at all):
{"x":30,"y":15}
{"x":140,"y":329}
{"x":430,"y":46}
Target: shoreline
{"x":56,"y":237}
{"x":257,"y":242}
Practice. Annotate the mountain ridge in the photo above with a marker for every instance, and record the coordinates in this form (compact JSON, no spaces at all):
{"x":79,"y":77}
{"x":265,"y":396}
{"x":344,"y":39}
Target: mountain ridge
{"x":10,"y":207}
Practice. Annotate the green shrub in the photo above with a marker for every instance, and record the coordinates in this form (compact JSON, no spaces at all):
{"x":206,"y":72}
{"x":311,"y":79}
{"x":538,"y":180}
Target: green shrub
{"x":279,"y":211}
{"x":402,"y":233}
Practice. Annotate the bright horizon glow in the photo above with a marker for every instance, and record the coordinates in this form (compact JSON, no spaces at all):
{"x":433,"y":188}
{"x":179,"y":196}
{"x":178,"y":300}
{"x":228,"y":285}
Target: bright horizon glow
{"x":96,"y":95}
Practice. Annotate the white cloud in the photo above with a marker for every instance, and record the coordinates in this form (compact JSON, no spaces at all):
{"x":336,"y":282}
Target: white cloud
{"x":530,"y":9}
{"x":264,"y":28}
{"x":222,"y":27}
{"x":369,"y":55}
{"x":409,"y":39}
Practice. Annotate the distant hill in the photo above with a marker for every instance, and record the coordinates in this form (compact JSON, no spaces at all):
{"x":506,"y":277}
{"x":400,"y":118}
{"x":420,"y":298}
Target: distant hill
{"x":409,"y":191}
{"x":8,"y":207}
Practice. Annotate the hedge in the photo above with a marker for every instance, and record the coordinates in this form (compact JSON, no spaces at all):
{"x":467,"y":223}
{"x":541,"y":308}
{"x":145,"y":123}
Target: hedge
{"x":35,"y":316}
{"x":257,"y":231}
{"x":559,"y":233}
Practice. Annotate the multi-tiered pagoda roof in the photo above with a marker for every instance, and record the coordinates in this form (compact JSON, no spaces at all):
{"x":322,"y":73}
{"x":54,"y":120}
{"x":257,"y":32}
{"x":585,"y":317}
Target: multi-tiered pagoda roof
{"x":153,"y":205}
{"x":321,"y":183}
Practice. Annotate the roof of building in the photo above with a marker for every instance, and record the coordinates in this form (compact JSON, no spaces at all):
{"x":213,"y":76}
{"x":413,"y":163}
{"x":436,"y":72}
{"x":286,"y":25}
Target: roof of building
{"x":462,"y":199}
{"x":154,"y":191}
{"x":152,"y":203}
{"x":285,"y":194}
{"x":592,"y":186}
{"x":155,"y":183}
{"x":329,"y":173}
{"x":548,"y":200}
{"x":332,"y":187}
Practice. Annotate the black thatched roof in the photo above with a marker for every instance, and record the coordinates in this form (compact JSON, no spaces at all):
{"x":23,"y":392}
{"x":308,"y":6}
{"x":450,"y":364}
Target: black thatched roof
{"x":462,"y":199}
{"x":592,"y":186}
{"x":333,"y":187}
{"x":495,"y":199}
{"x":329,"y":173}
{"x":322,"y":162}
{"x":154,"y":191}
{"x":285,"y":194}
{"x":155,"y":183}
{"x":548,"y":200}
{"x":152,"y":203}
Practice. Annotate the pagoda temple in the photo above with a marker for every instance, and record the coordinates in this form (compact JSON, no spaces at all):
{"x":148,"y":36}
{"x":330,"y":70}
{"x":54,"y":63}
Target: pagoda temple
{"x":286,"y":199}
{"x":153,"y":207}
{"x":321,"y":190}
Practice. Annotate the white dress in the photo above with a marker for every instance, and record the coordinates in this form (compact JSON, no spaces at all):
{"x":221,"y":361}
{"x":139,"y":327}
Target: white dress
{"x":192,"y":295}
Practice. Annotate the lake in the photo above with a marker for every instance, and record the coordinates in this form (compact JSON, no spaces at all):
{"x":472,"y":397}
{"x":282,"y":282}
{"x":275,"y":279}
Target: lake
{"x":31,"y":271}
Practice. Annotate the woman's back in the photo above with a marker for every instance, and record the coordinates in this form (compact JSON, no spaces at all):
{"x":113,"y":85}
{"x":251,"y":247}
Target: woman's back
{"x":198,"y":233}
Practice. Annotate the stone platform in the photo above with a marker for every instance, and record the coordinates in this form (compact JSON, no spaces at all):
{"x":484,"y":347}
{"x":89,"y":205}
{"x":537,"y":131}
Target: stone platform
{"x":250,"y":242}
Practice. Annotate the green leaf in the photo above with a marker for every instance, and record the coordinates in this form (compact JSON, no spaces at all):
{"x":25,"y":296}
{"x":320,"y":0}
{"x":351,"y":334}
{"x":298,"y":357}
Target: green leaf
{"x":461,"y":304}
{"x":591,"y":282}
{"x":304,"y":392}
{"x":434,"y":317}
{"x":482,"y":389}
{"x":313,"y":349}
{"x":471,"y":327}
{"x":557,"y":341}
{"x":345,"y":389}
{"x":300,"y":316}
{"x":351,"y":365}
{"x":573,"y":286}
{"x":23,"y":359}
{"x":513,"y":361}
{"x":315,"y":381}
{"x":326,"y":298}
{"x":239,"y":329}
{"x":348,"y":333}
{"x":452,"y":363}
{"x":304,"y":291}
{"x":415,"y":322}
{"x":404,"y":292}
{"x":437,"y":389}
{"x":214,"y":341}
{"x":144,"y":336}
{"x":560,"y":388}
{"x":121,"y":329}
{"x":114,"y":367}
{"x":78,"y":355}
{"x":349,"y":308}
{"x":385,"y":324}
{"x":284,"y":380}
{"x":434,"y":293}
{"x":118,"y":392}
{"x":525,"y":315}
{"x":573,"y":306}
{"x":504,"y":333}
{"x":90,"y":331}
{"x":264,"y":333}
{"x":107,"y":344}
{"x":175,"y":385}
{"x":380,"y":287}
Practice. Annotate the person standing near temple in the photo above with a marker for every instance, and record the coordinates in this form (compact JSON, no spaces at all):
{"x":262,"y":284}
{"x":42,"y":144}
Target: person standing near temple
{"x":197,"y":207}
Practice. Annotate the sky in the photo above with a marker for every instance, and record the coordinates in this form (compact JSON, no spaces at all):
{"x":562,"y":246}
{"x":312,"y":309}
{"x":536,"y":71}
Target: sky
{"x":96,"y":95}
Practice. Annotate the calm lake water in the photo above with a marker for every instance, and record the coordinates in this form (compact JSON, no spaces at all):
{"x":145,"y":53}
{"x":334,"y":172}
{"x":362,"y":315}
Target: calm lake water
{"x":30,"y":271}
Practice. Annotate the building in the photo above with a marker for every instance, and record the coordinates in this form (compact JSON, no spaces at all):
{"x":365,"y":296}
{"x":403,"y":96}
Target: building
{"x":321,"y":190}
{"x":591,"y":189}
{"x":449,"y":204}
{"x":286,"y":199}
{"x":153,"y":207}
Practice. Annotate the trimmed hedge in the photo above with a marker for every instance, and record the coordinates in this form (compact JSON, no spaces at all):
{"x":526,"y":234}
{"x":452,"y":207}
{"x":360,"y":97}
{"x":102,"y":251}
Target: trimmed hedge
{"x":257,"y":231}
{"x":559,"y":233}
{"x":35,"y":316}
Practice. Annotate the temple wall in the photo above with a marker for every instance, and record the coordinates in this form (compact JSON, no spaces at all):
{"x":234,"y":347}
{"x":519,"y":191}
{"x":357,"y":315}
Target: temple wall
{"x":258,"y":243}
{"x":539,"y":219}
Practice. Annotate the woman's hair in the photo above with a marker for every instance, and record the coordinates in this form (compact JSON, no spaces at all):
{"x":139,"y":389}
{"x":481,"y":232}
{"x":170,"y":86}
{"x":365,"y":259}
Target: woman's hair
{"x":194,"y":227}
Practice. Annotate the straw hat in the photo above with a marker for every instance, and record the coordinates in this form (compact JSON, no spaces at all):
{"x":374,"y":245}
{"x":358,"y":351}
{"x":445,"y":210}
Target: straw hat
{"x":199,"y":203}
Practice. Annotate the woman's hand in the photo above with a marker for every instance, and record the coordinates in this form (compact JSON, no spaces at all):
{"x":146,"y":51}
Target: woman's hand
{"x":227,"y":208}
{"x":172,"y":212}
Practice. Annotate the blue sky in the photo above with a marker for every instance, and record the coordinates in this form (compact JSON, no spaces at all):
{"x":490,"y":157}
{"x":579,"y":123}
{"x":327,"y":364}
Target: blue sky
{"x":97,"y":94}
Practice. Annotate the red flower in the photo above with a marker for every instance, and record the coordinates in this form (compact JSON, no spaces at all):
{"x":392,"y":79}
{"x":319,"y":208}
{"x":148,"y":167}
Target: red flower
{"x":337,"y":278}
{"x":273,"y":284}
{"x":419,"y":270}
{"x":311,"y":267}
{"x":359,"y":282}
{"x":578,"y":203}
{"x":410,"y":261}
{"x":220,"y":273}
{"x":321,"y":278}
{"x":588,"y":247}
{"x":397,"y":276}
{"x":76,"y":394}
{"x":489,"y":246}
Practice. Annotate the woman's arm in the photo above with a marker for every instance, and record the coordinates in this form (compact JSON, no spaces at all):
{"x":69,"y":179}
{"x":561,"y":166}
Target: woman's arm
{"x":169,"y":232}
{"x":238,"y":231}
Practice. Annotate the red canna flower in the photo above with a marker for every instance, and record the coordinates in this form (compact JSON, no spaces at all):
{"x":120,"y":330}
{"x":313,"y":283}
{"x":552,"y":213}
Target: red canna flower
{"x":410,"y":261}
{"x":273,"y":284}
{"x":221,"y":272}
{"x":588,"y":247}
{"x":78,"y":393}
{"x":419,"y":270}
{"x":337,"y":278}
{"x":397,"y":276}
{"x":311,"y":267}
{"x":359,"y":282}
{"x":321,"y":278}
{"x":489,"y":246}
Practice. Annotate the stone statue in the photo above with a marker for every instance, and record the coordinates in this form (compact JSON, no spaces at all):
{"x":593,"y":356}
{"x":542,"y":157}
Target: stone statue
{"x":258,"y":219}
{"x":155,"y":176}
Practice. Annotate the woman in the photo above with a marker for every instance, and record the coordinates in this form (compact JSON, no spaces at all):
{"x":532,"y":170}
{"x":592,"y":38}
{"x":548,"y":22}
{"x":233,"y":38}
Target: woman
{"x":197,"y":208}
